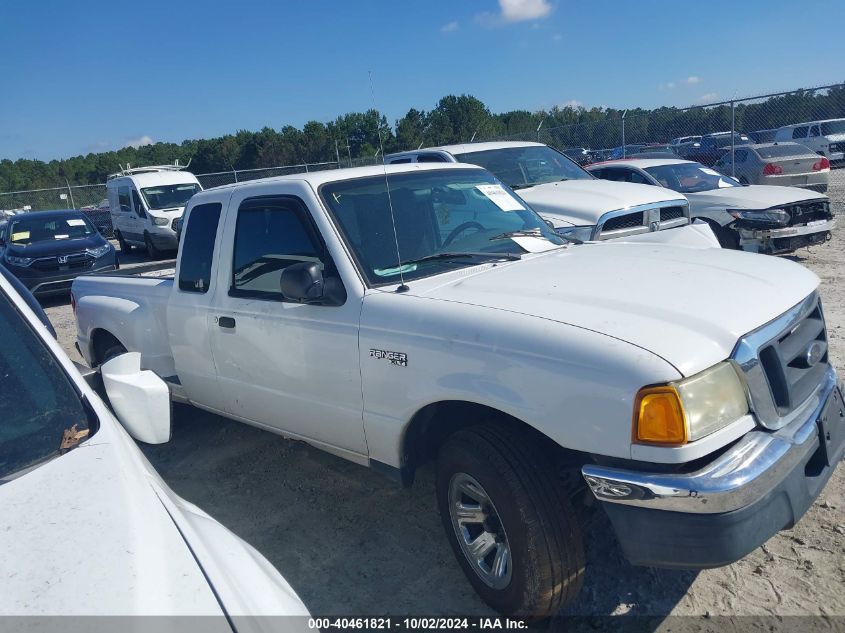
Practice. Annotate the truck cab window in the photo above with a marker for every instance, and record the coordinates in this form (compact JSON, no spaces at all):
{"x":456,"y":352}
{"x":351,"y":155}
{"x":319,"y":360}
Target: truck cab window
{"x":198,"y":248}
{"x":270,"y":235}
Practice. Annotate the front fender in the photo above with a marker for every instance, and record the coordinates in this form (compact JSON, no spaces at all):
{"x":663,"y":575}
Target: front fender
{"x":573,"y":385}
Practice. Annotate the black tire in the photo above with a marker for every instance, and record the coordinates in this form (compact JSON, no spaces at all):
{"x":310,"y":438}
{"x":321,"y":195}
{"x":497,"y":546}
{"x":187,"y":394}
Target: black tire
{"x":727,"y":237}
{"x":124,"y":247}
{"x":743,"y":180}
{"x":114,"y":349}
{"x":540,"y":526}
{"x":152,"y":251}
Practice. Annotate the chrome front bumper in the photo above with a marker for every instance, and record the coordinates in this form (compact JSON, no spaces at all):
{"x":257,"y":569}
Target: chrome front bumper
{"x":746,"y":472}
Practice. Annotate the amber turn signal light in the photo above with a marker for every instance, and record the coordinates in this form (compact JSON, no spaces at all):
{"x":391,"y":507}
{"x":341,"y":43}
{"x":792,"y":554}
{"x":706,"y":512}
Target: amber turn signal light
{"x":659,"y":416}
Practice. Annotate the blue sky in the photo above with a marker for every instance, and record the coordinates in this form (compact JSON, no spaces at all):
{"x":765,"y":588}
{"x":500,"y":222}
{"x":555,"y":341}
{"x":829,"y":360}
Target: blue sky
{"x":77,"y":77}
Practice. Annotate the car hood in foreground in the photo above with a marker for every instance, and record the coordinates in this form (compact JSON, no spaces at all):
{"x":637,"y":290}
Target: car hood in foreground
{"x":583,"y":202}
{"x":96,"y":532}
{"x":688,"y":306}
{"x":751,"y":197}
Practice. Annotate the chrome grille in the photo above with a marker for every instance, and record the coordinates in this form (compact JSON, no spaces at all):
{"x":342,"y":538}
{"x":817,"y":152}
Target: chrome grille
{"x":642,"y":219}
{"x":784,"y":362}
{"x":624,"y":222}
{"x":671,"y":213}
{"x":75,"y":261}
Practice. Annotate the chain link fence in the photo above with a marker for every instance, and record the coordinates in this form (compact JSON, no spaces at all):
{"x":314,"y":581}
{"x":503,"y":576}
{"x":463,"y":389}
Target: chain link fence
{"x":715,"y":134}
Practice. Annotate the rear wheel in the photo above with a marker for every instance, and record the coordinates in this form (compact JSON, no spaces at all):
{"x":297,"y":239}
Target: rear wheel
{"x":509,"y":521}
{"x":152,"y":251}
{"x":113,"y":349}
{"x":124,"y":247}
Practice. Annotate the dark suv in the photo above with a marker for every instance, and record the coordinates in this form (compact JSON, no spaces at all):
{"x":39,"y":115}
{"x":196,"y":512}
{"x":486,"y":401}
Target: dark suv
{"x":712,"y":146}
{"x":47,"y":250}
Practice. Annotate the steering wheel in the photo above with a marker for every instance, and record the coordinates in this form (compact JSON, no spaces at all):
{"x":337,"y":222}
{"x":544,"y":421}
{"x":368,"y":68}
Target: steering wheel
{"x":460,"y":229}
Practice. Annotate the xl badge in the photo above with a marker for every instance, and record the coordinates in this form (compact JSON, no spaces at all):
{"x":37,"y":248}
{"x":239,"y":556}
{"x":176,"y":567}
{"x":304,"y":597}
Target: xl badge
{"x":395,"y":358}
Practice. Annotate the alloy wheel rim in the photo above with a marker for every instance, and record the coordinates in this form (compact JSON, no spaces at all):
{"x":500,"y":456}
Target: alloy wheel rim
{"x":479,"y":531}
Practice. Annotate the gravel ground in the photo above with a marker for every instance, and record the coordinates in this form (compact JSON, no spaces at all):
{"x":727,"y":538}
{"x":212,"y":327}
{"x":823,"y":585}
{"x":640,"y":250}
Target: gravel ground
{"x":351,"y":542}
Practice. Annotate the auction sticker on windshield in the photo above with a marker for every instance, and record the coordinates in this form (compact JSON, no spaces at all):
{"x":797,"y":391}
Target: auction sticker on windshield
{"x":500,"y":197}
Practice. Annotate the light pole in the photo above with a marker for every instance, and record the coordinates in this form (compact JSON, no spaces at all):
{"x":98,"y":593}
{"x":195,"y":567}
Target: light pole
{"x":623,"y":132}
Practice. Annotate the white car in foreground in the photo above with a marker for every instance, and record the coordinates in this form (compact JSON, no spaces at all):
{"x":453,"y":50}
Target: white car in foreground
{"x":90,"y":528}
{"x":757,"y":218}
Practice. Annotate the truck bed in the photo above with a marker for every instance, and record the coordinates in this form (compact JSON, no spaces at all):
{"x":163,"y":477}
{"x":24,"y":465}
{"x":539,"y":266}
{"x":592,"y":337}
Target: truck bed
{"x":131,"y":305}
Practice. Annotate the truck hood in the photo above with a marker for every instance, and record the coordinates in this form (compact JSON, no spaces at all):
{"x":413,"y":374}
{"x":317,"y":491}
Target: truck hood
{"x":583,"y":202}
{"x":688,"y":306}
{"x":751,"y":197}
{"x":96,"y":532}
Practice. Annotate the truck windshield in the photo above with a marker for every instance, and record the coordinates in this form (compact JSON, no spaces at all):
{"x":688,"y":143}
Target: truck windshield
{"x":690,"y":177}
{"x":169,"y":196}
{"x":28,"y":230}
{"x":520,"y":167}
{"x":444,"y":219}
{"x":37,"y":400}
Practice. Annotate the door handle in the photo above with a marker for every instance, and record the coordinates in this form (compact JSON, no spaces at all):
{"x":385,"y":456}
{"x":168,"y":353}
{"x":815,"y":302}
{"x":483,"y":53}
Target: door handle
{"x":227,"y":322}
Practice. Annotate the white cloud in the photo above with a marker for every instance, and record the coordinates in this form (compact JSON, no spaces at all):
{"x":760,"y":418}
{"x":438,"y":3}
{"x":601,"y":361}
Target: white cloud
{"x":710,"y":96}
{"x":515,"y":11}
{"x":572,"y":103}
{"x":139,"y":142}
{"x":521,"y":10}
{"x":693,"y":79}
{"x":557,"y":37}
{"x":449,"y":27}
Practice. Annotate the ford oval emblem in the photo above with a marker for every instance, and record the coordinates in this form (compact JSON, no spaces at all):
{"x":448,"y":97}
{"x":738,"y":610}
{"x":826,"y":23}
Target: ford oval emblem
{"x":815,"y":351}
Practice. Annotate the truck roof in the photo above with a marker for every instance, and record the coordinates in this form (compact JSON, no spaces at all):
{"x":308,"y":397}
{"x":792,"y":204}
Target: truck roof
{"x":317,"y":178}
{"x":151,"y":178}
{"x":469,"y":148}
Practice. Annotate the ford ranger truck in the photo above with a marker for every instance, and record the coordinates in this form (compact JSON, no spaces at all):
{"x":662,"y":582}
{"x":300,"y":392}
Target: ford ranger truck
{"x":408,"y":314}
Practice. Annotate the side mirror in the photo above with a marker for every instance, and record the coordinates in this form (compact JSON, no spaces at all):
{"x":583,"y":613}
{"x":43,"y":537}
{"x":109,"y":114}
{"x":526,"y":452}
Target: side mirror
{"x":140,"y":399}
{"x":302,"y":282}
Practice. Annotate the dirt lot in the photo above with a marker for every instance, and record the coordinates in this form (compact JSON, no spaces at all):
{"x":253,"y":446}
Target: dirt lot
{"x":351,"y":542}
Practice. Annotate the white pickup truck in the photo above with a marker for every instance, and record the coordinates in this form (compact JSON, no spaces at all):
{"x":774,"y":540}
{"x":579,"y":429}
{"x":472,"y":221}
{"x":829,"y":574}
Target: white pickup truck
{"x":414,"y":313}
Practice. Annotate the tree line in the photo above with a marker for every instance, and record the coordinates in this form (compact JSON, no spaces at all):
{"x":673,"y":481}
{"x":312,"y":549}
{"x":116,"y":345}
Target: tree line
{"x":454,"y":119}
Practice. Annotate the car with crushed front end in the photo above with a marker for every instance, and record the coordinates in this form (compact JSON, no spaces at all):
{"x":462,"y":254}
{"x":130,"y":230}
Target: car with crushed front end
{"x":765,"y":219}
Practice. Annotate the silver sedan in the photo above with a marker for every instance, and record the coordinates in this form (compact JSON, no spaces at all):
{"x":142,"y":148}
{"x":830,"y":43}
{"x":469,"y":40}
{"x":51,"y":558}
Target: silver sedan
{"x":789,"y":164}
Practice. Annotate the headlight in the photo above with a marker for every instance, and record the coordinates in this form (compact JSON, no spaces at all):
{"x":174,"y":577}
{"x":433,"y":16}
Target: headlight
{"x":99,"y":251}
{"x":687,"y":410}
{"x":19,"y":261}
{"x":583,"y":233}
{"x":769,"y":216}
{"x":159,"y":221}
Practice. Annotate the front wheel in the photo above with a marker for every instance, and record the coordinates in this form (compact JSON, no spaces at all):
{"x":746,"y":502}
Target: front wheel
{"x":509,"y":521}
{"x":124,"y":247}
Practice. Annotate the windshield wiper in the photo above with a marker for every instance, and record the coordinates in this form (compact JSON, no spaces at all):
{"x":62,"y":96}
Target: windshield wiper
{"x":459,"y":255}
{"x":520,"y":233}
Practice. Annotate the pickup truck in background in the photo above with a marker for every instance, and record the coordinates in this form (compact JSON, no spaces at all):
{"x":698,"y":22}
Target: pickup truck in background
{"x":574,"y":202}
{"x":408,"y":314}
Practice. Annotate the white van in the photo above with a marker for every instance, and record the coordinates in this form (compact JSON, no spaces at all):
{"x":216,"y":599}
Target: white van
{"x":145,"y":203}
{"x":823,"y":137}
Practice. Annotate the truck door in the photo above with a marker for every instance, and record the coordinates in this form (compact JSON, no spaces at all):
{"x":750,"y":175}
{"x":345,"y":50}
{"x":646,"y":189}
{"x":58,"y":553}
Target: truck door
{"x":190,"y":311}
{"x":284,"y":365}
